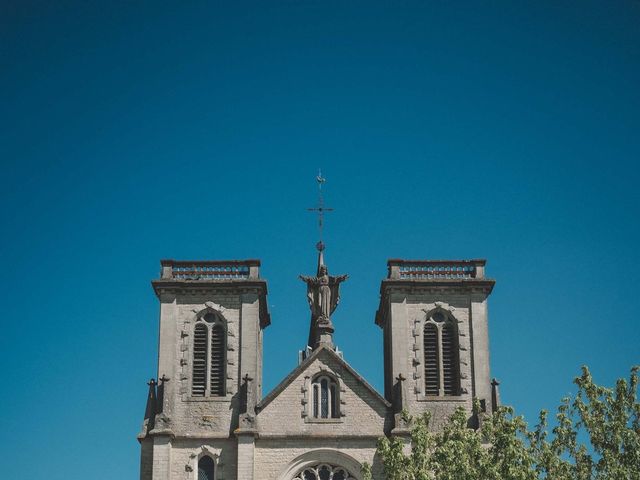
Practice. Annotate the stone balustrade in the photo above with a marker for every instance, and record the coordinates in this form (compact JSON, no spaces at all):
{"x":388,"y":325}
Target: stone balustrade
{"x":210,"y":269}
{"x":435,"y":269}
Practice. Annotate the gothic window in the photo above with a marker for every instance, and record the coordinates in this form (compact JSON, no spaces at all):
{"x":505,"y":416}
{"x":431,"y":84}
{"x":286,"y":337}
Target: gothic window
{"x":431,"y":360}
{"x":325,"y":397}
{"x":199,"y":384}
{"x":217,"y":375}
{"x":441,"y":356}
{"x":209,"y":352}
{"x":449,"y":359}
{"x":206,"y":468}
{"x":323,"y":472}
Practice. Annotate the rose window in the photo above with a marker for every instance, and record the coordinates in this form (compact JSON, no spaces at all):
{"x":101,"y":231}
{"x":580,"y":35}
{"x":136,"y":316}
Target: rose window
{"x":323,"y":472}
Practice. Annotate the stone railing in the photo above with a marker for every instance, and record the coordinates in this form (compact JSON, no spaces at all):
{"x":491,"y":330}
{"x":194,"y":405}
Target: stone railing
{"x":210,"y":269}
{"x":435,"y":269}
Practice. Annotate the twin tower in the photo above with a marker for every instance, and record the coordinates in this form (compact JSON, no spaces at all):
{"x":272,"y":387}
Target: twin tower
{"x":207,"y":417}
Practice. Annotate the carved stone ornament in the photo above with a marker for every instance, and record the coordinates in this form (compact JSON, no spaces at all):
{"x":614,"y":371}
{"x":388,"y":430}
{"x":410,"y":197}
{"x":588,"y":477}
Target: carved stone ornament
{"x":323,"y":295}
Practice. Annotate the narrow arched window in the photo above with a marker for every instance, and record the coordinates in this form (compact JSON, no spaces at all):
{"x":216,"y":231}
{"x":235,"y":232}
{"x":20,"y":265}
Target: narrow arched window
{"x":441,"y":356}
{"x":218,"y":348}
{"x":431,"y":360}
{"x":209,"y":356}
{"x":206,"y":468}
{"x":200,"y":348}
{"x":316,"y":400}
{"x":450,"y":367}
{"x":326,"y":397}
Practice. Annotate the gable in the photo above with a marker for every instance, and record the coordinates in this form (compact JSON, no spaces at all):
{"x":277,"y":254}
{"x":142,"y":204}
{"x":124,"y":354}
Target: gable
{"x":288,"y":409}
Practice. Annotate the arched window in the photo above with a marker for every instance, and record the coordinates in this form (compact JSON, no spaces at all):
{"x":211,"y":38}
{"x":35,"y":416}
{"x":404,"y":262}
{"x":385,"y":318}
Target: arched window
{"x":431,"y":360}
{"x":323,"y":472}
{"x":209,"y":356}
{"x":326,"y":397}
{"x":441,"y":356}
{"x":200,"y":348}
{"x":218,"y":347}
{"x":450,"y":367}
{"x":206,"y":468}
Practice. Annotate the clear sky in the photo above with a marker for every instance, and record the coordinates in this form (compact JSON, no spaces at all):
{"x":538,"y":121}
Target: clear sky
{"x":135,"y":131}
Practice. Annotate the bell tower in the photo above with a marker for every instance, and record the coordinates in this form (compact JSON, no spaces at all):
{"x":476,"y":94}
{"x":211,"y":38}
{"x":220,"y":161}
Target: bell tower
{"x":212,"y":314}
{"x":433,"y":314}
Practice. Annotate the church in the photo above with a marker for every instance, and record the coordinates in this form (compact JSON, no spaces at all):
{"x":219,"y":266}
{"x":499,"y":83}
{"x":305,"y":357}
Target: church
{"x":207,"y":417}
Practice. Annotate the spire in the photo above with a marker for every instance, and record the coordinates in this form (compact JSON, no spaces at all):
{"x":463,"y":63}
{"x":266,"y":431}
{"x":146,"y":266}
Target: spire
{"x":320,"y":247}
{"x":322,"y":290}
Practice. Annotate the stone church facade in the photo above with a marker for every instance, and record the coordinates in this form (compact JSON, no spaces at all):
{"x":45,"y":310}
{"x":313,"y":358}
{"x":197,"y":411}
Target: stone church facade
{"x":207,"y":417}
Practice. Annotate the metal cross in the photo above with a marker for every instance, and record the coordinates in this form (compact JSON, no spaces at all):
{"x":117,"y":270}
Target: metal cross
{"x":320,"y":208}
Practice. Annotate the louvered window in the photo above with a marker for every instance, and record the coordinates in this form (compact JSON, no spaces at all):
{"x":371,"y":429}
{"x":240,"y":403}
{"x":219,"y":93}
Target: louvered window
{"x":441,"y":356}
{"x":217,"y":360}
{"x":206,"y":468}
{"x":325,"y":398}
{"x":431,"y":363}
{"x":209,"y":357}
{"x":449,"y":359}
{"x":200,"y":348}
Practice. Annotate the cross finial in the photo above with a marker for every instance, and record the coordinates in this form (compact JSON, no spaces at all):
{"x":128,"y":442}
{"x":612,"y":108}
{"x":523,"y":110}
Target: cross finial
{"x":320,"y":209}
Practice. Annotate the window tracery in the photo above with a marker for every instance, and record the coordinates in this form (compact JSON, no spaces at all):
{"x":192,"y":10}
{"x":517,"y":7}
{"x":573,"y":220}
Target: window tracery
{"x":323,"y":471}
{"x":325,"y":397}
{"x":209,"y":356}
{"x":441,"y":356}
{"x":206,"y":468}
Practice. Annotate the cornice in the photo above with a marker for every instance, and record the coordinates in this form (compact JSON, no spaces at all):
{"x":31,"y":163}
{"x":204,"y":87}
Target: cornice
{"x":258,"y":286}
{"x":471,"y":285}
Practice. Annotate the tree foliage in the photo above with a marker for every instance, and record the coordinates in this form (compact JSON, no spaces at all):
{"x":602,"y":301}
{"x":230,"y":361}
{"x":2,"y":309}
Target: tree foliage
{"x":596,"y":436}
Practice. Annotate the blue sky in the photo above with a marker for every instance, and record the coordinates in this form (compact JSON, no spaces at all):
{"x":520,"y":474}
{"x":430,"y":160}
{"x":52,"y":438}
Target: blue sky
{"x":135,"y":132}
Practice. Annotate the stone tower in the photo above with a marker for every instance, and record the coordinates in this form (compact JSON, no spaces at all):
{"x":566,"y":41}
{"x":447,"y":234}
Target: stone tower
{"x":206,"y":418}
{"x":436,"y":344}
{"x":212,"y":314}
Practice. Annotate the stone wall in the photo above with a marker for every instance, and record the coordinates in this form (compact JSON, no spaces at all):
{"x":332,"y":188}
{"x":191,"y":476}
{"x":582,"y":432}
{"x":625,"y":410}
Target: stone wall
{"x":361,"y":412}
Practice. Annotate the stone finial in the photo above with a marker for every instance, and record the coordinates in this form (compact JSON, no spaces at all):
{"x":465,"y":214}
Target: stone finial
{"x":495,"y":395}
{"x":400,"y":397}
{"x":161,"y":386}
{"x":152,"y":405}
{"x":249,"y":395}
{"x":247,"y":420}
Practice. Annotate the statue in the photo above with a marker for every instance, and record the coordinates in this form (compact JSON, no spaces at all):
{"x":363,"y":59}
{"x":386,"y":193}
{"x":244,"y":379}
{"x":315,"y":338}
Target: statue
{"x":323,"y":294}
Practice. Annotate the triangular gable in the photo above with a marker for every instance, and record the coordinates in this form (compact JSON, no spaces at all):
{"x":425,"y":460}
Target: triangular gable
{"x":305,"y":364}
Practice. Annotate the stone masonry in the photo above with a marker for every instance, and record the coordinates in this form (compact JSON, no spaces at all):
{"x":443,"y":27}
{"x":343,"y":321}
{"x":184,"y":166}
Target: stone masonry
{"x":323,"y":414}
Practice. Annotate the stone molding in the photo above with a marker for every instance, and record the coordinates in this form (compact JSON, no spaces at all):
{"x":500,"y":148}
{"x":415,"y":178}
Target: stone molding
{"x":196,"y":455}
{"x":186,"y":350}
{"x":418,"y":352}
{"x":307,"y":399}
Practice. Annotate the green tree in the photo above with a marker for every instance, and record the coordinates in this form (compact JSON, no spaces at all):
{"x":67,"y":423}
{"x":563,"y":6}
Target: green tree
{"x":596,"y":437}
